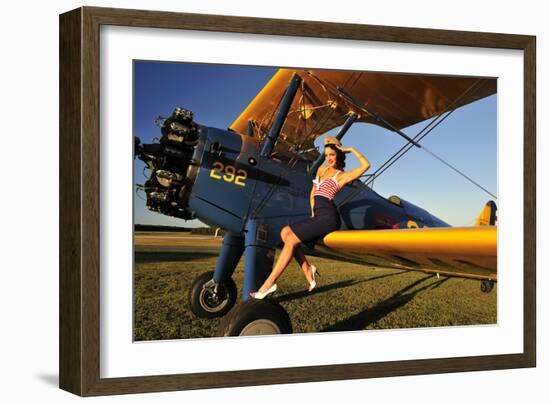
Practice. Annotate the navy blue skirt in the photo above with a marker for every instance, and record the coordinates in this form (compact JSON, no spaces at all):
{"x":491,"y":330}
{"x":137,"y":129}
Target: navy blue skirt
{"x":326,"y":220}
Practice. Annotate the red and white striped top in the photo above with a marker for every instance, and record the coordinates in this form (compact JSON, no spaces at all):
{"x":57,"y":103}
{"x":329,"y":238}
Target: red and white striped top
{"x":328,"y":187}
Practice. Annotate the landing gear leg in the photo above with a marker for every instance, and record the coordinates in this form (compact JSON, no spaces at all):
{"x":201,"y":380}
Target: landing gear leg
{"x":258,"y":257}
{"x":252,"y":316}
{"x":213,"y":294}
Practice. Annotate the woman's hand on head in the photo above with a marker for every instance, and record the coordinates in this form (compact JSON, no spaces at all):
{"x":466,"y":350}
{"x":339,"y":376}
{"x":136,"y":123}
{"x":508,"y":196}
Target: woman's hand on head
{"x":344,"y":149}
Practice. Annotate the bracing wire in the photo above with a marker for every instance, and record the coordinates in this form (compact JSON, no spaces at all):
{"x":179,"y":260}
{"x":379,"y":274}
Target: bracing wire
{"x":458,"y":171}
{"x":427,"y":129}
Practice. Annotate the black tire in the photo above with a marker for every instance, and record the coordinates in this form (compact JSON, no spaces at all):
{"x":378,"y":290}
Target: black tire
{"x":487,"y":286}
{"x":255,"y":317}
{"x":207,"y":301}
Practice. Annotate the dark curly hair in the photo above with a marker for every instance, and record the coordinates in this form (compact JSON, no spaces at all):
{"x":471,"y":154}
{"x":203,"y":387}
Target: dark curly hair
{"x":340,"y":157}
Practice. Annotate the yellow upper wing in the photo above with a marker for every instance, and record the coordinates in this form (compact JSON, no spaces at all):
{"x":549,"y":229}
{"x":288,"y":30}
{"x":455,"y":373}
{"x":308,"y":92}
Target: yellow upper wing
{"x":401,"y":99}
{"x":462,"y":251}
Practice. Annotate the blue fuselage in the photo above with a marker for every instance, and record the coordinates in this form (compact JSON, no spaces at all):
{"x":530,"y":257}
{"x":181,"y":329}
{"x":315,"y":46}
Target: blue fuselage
{"x":234,"y":184}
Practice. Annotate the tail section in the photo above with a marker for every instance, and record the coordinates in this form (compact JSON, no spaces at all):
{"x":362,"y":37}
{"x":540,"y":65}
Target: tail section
{"x":488,"y":215}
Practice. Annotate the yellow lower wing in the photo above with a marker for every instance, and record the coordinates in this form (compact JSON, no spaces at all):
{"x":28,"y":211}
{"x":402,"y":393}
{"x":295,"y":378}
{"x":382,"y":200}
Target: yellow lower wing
{"x":462,"y":251}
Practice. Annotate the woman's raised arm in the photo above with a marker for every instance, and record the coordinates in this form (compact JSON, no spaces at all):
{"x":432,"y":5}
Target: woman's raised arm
{"x":355,"y":173}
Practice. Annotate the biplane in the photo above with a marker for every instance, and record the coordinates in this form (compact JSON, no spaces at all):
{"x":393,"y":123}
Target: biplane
{"x":255,"y":177}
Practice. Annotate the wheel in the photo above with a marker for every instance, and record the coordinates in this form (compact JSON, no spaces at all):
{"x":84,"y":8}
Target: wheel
{"x":487,"y":286}
{"x":255,"y":317}
{"x":209,"y":300}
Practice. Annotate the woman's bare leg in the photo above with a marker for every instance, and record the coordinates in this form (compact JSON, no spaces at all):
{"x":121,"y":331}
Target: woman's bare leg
{"x":290,"y":242}
{"x":304,"y":264}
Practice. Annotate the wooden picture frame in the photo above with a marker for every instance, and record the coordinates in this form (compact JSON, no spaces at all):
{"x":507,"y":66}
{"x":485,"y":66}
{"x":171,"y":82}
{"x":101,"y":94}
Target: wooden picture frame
{"x":80,"y":199}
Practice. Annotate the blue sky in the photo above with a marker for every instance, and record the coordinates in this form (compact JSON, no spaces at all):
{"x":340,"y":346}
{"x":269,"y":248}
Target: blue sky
{"x":217,"y":94}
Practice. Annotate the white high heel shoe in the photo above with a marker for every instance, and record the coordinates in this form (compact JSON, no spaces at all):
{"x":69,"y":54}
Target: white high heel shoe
{"x":261,"y":295}
{"x":313,"y":283}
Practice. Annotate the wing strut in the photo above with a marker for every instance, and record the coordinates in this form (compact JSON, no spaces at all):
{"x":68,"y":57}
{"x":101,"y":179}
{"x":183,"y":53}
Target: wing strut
{"x":281,"y":115}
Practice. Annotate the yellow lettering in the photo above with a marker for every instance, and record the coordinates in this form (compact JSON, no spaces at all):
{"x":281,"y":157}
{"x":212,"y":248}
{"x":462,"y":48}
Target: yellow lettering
{"x":217,"y":166}
{"x":241,"y":175}
{"x":229,"y":173}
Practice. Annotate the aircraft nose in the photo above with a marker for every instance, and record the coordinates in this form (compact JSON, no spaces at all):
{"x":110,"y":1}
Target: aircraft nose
{"x":170,"y":161}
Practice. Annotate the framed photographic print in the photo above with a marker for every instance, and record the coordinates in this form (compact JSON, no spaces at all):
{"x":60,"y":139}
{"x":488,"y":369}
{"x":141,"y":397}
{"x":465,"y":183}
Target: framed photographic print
{"x":212,"y":167}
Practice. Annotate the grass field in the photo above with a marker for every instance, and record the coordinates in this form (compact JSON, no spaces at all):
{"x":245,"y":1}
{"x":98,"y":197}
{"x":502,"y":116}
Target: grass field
{"x":349,"y":297}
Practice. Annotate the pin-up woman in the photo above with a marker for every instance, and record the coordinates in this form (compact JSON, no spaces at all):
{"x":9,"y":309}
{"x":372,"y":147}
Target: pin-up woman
{"x":324,"y":217}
